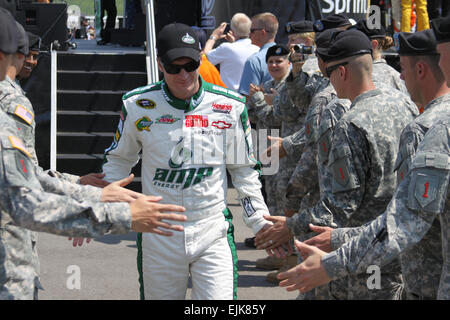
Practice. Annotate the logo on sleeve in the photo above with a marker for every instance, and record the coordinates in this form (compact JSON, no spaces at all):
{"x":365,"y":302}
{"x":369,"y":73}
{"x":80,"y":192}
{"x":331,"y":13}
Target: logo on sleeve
{"x":24,"y":114}
{"x":144,"y":123}
{"x":248,"y":207}
{"x":18,"y":144}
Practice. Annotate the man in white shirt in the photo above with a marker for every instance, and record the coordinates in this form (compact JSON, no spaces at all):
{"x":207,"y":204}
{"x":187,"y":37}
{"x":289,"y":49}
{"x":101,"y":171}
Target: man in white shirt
{"x":231,"y":55}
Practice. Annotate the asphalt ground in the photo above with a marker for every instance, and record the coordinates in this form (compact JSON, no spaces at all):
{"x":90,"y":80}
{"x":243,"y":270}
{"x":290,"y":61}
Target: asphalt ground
{"x":105,"y":268}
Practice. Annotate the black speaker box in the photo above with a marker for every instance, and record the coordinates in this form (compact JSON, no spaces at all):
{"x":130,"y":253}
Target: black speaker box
{"x":47,"y":20}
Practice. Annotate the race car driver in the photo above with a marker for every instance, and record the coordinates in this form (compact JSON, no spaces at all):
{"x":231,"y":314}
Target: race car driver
{"x":190,"y":133}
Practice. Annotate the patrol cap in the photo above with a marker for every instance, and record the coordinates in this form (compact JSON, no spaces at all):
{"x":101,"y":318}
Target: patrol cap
{"x":22,"y":44}
{"x":177,"y":40}
{"x":340,"y":44}
{"x":8,"y":33}
{"x":421,"y":43}
{"x":34,"y":41}
{"x":371,"y":32}
{"x":331,"y":22}
{"x":299,"y":27}
{"x":277,"y":50}
{"x":441,"y":29}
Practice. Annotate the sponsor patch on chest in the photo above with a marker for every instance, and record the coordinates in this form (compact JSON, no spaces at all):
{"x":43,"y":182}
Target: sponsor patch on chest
{"x":221,"y":108}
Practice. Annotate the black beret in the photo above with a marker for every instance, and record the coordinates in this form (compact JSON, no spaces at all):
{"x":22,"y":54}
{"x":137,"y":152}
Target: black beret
{"x":277,"y":50}
{"x":331,"y":22}
{"x":421,"y":43}
{"x":22,"y":43}
{"x":371,"y":32}
{"x":299,"y":27}
{"x":34,"y":41}
{"x":343,"y":44}
{"x":323,"y":39}
{"x":8,"y":33}
{"x":441,"y":29}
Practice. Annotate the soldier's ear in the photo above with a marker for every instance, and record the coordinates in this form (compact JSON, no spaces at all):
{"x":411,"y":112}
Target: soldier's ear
{"x":420,"y":69}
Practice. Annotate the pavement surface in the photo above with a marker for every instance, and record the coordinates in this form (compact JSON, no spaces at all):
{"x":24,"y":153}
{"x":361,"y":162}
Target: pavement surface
{"x":105,"y":268}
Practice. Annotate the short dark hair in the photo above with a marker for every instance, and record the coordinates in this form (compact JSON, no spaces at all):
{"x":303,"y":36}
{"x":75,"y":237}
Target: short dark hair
{"x":433,"y":62}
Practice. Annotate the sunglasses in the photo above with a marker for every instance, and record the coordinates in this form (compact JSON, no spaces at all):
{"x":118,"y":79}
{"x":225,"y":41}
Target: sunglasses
{"x":176,"y":68}
{"x":329,"y":70}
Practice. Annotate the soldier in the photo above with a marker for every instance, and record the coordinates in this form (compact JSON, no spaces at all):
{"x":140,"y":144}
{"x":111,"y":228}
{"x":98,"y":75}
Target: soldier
{"x":324,"y":111}
{"x":260,"y":109}
{"x":407,"y":219}
{"x":422,"y":262}
{"x":289,"y":107}
{"x":360,"y":160}
{"x":298,"y":185}
{"x":14,"y":103}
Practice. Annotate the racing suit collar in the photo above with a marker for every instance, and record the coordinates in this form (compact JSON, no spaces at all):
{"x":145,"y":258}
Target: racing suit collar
{"x":185,"y":105}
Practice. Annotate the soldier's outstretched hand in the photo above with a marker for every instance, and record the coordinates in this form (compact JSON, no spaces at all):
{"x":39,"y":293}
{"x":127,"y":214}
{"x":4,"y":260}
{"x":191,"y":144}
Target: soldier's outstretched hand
{"x":94,"y":179}
{"x":115,"y":191}
{"x":323,"y":240}
{"x":307,"y":275}
{"x":147,"y":215}
{"x":276,"y":146}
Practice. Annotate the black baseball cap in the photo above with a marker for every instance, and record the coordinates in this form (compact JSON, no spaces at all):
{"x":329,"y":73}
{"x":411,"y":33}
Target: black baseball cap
{"x":277,"y":50}
{"x":340,"y":44}
{"x":299,"y":27}
{"x":421,"y":43}
{"x":8,"y":33}
{"x":441,"y":29}
{"x":177,"y":40}
{"x":22,"y":44}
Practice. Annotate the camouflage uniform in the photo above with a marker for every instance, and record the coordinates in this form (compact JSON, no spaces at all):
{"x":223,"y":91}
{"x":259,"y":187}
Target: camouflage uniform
{"x":14,"y":103}
{"x":24,"y":203}
{"x":361,"y":164}
{"x":422,"y":263}
{"x":261,"y":114}
{"x":385,"y":74}
{"x":419,"y":199}
{"x":304,"y":180}
{"x":291,"y":108}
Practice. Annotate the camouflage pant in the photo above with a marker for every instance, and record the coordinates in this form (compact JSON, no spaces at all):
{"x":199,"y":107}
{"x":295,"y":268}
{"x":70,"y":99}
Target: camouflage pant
{"x":270,"y":186}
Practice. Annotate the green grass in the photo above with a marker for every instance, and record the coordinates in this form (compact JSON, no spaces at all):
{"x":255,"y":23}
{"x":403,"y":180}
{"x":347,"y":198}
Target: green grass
{"x":87,"y":6}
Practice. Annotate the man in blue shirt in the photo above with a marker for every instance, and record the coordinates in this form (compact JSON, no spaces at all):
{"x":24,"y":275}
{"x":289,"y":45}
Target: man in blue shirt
{"x":262,"y":33}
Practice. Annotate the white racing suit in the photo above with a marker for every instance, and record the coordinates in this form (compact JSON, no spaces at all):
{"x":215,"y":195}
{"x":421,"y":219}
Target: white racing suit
{"x":187,"y":146}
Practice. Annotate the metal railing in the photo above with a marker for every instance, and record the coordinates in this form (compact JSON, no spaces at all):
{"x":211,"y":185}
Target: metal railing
{"x":152,"y":67}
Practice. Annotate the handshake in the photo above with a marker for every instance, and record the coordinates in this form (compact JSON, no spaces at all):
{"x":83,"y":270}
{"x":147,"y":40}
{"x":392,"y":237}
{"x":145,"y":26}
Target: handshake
{"x":147,"y":214}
